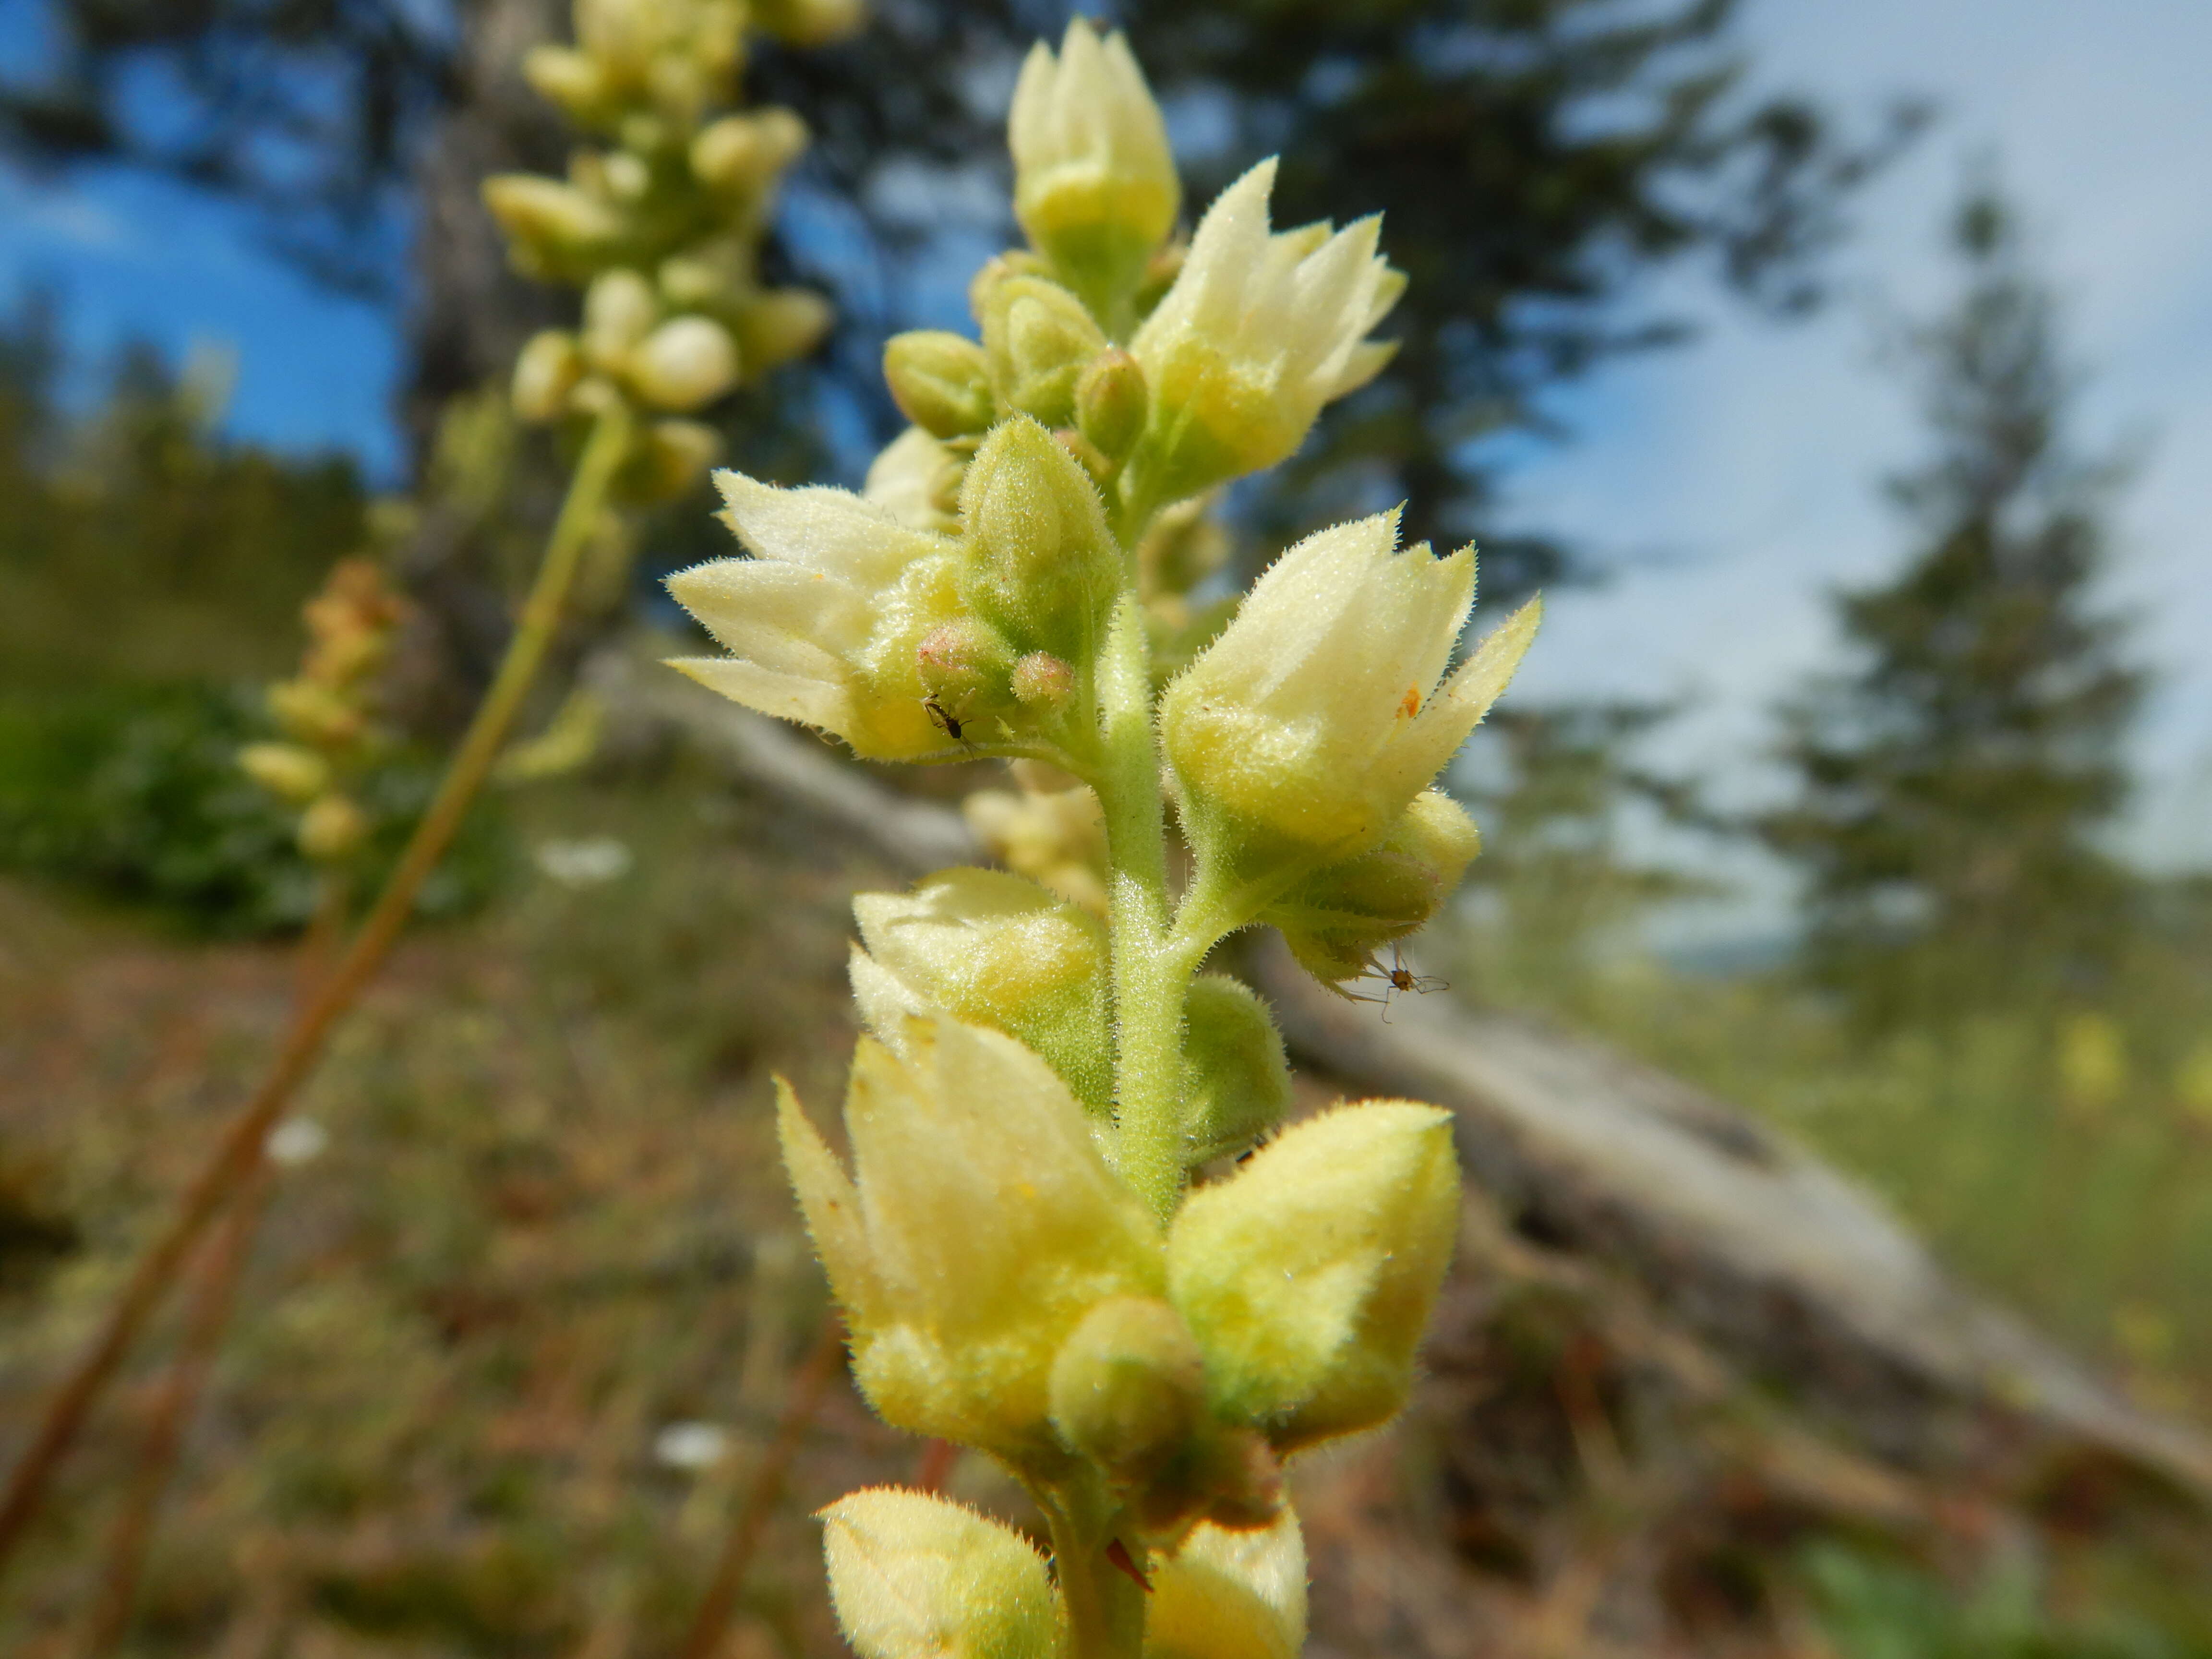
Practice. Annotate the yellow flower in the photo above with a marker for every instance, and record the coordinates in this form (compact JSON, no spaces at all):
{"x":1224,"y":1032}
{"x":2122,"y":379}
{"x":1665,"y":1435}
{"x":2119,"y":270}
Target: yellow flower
{"x":825,"y":621}
{"x":1322,"y":710}
{"x":1095,"y":184}
{"x":1258,"y":331}
{"x":978,"y":1227}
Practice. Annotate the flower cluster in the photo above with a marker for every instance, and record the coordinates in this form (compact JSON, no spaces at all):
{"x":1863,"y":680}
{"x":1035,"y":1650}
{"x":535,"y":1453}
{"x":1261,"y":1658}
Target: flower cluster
{"x":1040,"y":1248}
{"x":661,"y":228}
{"x":326,"y":711}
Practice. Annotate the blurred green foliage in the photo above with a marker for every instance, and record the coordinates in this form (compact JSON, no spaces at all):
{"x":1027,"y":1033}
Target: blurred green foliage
{"x":1951,"y":787}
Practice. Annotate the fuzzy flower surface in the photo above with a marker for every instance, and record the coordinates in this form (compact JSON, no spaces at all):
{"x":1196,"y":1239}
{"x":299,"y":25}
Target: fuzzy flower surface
{"x":1261,"y":330}
{"x":1323,"y":710}
{"x":824,"y":621}
{"x":1094,"y":179}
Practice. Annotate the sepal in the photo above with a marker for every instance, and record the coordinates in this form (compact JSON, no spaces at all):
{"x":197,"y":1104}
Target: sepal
{"x":1231,"y":1595}
{"x":1338,"y":918}
{"x":912,"y":1577}
{"x":1308,"y":1276}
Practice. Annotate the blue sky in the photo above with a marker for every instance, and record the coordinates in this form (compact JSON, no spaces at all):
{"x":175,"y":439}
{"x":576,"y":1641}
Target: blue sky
{"x":1734,"y":483}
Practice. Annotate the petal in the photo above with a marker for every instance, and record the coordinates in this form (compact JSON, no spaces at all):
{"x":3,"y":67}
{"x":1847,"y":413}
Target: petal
{"x":786,"y":697}
{"x":830,"y":529}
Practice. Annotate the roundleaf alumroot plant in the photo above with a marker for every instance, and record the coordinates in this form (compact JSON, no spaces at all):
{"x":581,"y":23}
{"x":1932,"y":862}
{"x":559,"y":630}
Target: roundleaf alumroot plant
{"x":1034,"y":1252}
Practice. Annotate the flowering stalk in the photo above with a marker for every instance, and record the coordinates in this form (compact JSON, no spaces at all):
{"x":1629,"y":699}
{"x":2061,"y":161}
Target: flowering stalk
{"x":661,"y":230}
{"x":1032,"y":1260}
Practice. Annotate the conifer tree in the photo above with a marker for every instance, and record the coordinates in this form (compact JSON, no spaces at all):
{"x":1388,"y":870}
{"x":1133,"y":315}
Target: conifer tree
{"x":1953,"y":785}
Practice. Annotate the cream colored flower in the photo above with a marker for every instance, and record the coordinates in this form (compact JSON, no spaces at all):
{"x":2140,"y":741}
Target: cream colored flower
{"x":825,"y":621}
{"x":978,"y":1227}
{"x":1095,"y":184}
{"x":1319,"y":715}
{"x":1259,"y":331}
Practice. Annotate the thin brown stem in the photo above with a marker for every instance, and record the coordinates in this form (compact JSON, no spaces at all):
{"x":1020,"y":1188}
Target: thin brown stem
{"x":203,"y":1338}
{"x":808,"y":1386}
{"x":220,"y":1178}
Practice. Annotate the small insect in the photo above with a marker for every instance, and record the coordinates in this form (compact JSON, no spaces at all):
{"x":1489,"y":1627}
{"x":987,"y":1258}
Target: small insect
{"x":1394,"y":980}
{"x":945,"y":719}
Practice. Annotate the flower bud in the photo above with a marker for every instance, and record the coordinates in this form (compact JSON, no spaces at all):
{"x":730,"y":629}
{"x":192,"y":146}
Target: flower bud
{"x":286,"y":770}
{"x":684,"y":364}
{"x":955,"y":1326}
{"x":810,"y":22}
{"x":1110,"y":402}
{"x":1056,"y":838}
{"x":999,"y":950}
{"x":1039,"y":336}
{"x":556,"y":231}
{"x":746,"y":154}
{"x":1322,"y":710}
{"x":1308,"y":1276}
{"x":619,"y":310}
{"x":940,"y":382}
{"x":545,"y":371}
{"x":965,"y":666}
{"x":1041,"y":681}
{"x":331,"y":827}
{"x":1095,"y":184}
{"x":1259,"y":331}
{"x":1231,"y":1595}
{"x":1337,"y":919}
{"x":1038,"y":559}
{"x":571,"y":79}
{"x":1239,"y":1080}
{"x":314,"y":713}
{"x":1128,"y":1386}
{"x":779,"y":326}
{"x":668,"y":460}
{"x":914,"y":1576}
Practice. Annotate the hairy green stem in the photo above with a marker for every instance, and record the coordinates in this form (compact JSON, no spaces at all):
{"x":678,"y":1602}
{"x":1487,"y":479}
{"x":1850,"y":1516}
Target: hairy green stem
{"x":1104,"y":1607}
{"x":240,"y":1150}
{"x":1149,"y":979}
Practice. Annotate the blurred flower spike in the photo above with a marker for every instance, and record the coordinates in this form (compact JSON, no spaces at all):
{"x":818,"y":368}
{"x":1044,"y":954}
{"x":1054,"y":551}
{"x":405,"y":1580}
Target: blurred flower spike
{"x":661,"y":230}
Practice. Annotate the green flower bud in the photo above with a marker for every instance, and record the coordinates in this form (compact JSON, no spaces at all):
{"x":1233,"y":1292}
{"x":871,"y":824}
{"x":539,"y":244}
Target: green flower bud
{"x":1110,"y":402}
{"x":684,"y":364}
{"x":1337,"y":919}
{"x":1231,"y":1595}
{"x":1239,"y":1078}
{"x":331,"y":828}
{"x":1128,"y":1387}
{"x":995,"y":950}
{"x":620,"y":309}
{"x":825,"y":621}
{"x":1095,"y":184}
{"x":955,"y":1325}
{"x":1322,"y":710}
{"x":1259,"y":331}
{"x":555,"y":231}
{"x":966,"y":666}
{"x":914,"y":1576}
{"x":1038,"y":559}
{"x":286,"y":770}
{"x":940,"y":382}
{"x":1039,"y":336}
{"x":745,"y":154}
{"x":779,"y":326}
{"x":546,"y":371}
{"x":1308,"y":1276}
